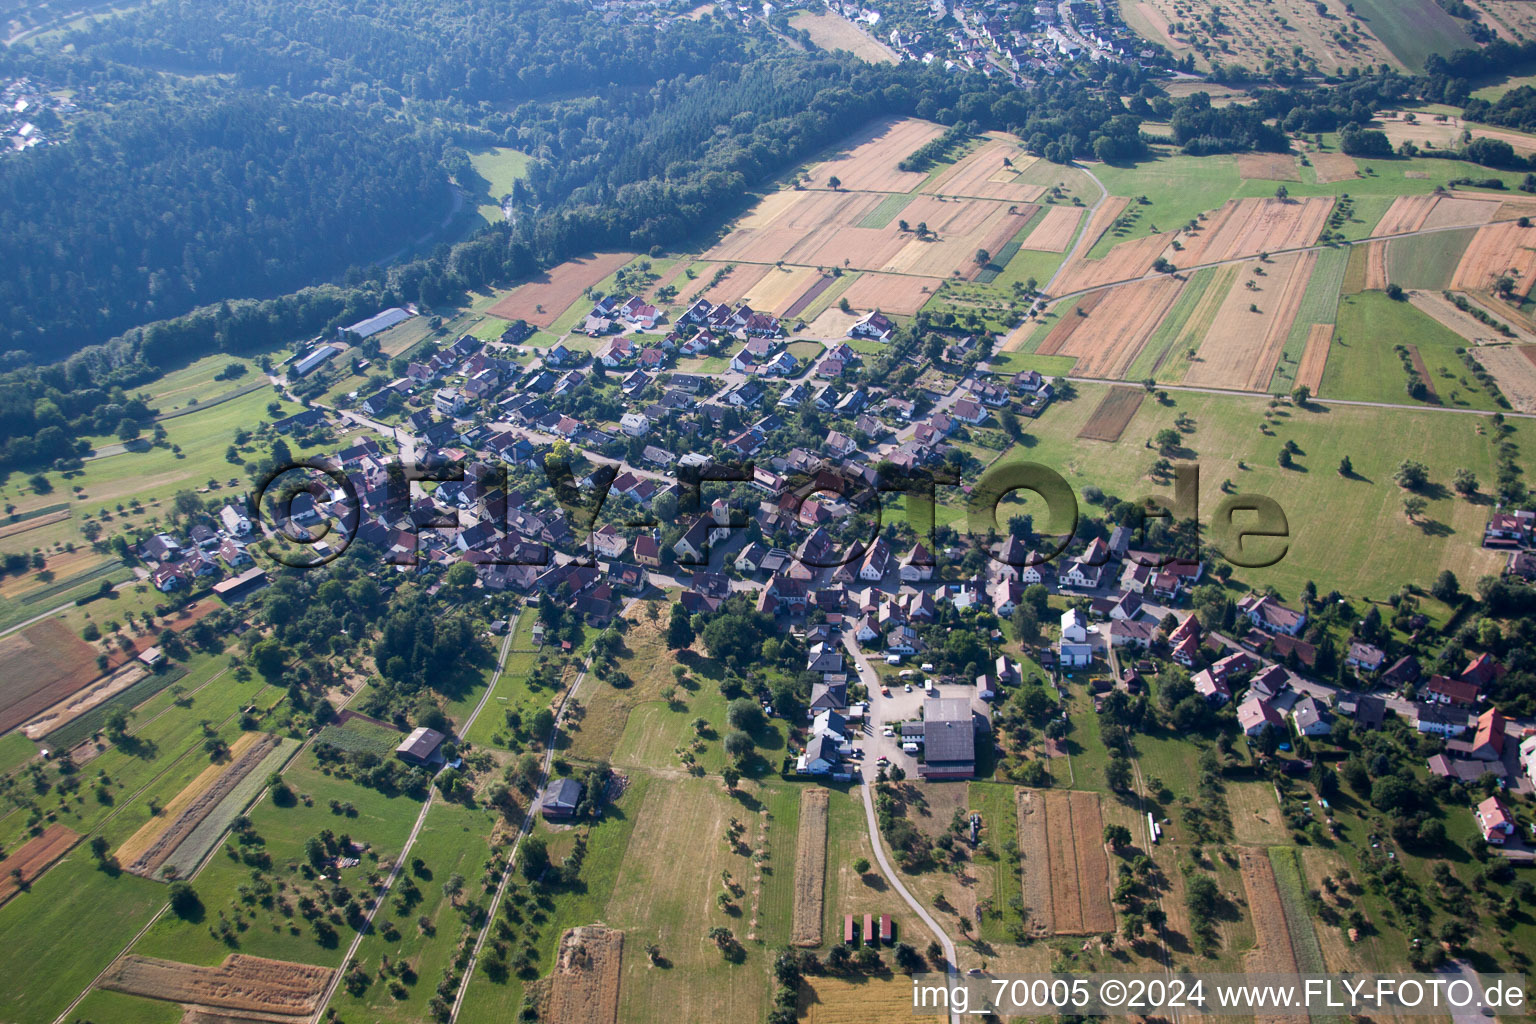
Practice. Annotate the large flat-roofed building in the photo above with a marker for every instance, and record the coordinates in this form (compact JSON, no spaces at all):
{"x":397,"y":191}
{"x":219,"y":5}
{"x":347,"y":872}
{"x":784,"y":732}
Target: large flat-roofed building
{"x":420,"y":747}
{"x":949,"y":739}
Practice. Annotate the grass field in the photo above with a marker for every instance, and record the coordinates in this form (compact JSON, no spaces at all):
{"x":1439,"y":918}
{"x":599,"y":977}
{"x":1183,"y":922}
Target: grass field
{"x":1345,"y":534}
{"x":1413,"y":29}
{"x":606,"y":859}
{"x":1363,"y":365}
{"x":1320,"y":305}
{"x":1427,"y":261}
{"x":381,"y":821}
{"x":497,"y":168}
{"x":454,"y":841}
{"x":1179,"y":188}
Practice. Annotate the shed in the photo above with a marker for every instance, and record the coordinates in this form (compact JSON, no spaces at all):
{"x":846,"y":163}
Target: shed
{"x":849,"y":935}
{"x":887,"y":931}
{"x":561,"y":798}
{"x":869,"y":928}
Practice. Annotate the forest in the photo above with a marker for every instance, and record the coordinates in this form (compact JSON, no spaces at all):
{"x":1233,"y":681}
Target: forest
{"x":142,"y":216}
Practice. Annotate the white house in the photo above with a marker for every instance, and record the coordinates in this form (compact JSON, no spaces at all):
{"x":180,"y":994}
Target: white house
{"x":1075,"y":655}
{"x":635,"y":424}
{"x":1073,"y":628}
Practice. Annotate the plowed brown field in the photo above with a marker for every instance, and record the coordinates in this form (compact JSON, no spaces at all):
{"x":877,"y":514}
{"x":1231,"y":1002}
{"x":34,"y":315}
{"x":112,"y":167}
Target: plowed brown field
{"x":584,"y":988}
{"x":241,"y":982}
{"x":1272,"y":952}
{"x":34,"y":857}
{"x":1269,"y":166}
{"x":1066,"y":827}
{"x":44,"y":664}
{"x":1376,"y":266}
{"x":543,"y":299}
{"x":1113,"y":414}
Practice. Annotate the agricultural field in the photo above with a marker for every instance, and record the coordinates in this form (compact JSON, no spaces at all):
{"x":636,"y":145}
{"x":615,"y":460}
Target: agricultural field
{"x":832,"y":31}
{"x":45,"y":664}
{"x":542,"y":300}
{"x":810,"y":868}
{"x":1326,"y":40}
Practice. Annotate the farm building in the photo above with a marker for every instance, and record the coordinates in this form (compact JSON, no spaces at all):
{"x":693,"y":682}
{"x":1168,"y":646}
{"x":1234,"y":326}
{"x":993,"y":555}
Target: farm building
{"x":314,"y":359}
{"x":420,"y":747}
{"x":378,"y":323}
{"x":887,"y":932}
{"x":561,"y":798}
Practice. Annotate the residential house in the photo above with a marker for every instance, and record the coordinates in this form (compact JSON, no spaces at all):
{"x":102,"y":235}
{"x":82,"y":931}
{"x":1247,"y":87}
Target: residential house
{"x":1255,"y":714}
{"x":1495,"y":821}
{"x":1270,"y":615}
{"x":1311,"y":717}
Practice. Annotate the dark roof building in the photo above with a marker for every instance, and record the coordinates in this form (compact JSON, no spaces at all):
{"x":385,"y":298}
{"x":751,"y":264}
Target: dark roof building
{"x":420,"y":747}
{"x":561,"y":798}
{"x":949,"y":739}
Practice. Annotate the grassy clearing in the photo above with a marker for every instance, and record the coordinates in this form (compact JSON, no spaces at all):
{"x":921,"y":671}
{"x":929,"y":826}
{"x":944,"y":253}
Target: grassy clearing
{"x":104,"y":1007}
{"x":1363,"y":365}
{"x":997,"y":876}
{"x":607,"y":849}
{"x":381,"y":821}
{"x":496,"y":168}
{"x":666,"y":894}
{"x":32,"y":923}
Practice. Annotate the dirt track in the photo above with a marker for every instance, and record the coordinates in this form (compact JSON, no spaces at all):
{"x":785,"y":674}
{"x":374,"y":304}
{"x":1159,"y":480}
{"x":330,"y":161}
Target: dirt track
{"x":810,"y":868}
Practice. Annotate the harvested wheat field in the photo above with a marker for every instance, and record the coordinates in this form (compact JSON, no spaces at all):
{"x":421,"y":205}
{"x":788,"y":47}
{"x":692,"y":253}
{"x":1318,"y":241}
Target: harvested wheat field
{"x":67,"y":711}
{"x":1055,"y":230}
{"x":738,"y":282}
{"x":1331,"y":167}
{"x":1109,"y":212}
{"x":1118,"y":323}
{"x":1375,"y":266}
{"x":832,"y":323}
{"x":249,"y":983}
{"x":867,"y":161}
{"x":198,"y":800}
{"x":542,"y":300}
{"x":1067,"y":826}
{"x":1036,"y":863}
{"x":1447,"y":134}
{"x":1125,"y":262}
{"x":34,"y":857}
{"x":1455,"y":212}
{"x":1113,"y":414}
{"x":1248,"y":227}
{"x":1407,"y":213}
{"x":891,"y":293}
{"x":584,"y":986}
{"x":1496,"y":251}
{"x":958,"y":228}
{"x":777,"y":290}
{"x":862,"y":1000}
{"x":44,"y":664}
{"x":834,"y":32}
{"x":1242,"y":347}
{"x":1268,"y":166}
{"x":1315,"y":358}
{"x":817,"y":228}
{"x":1272,"y":952}
{"x":810,"y":867}
{"x":983,"y":174}
{"x":1514,"y":367}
